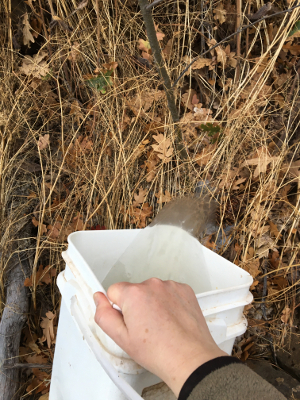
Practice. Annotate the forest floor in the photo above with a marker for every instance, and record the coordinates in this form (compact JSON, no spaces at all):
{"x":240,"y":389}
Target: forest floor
{"x":87,"y":143}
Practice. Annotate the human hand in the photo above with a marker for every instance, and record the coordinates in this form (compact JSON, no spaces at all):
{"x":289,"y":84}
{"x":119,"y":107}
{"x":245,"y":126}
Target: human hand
{"x":162,"y":327}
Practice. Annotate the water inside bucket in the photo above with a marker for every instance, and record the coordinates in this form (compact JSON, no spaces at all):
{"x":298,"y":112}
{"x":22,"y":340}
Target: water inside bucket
{"x":167,"y":248}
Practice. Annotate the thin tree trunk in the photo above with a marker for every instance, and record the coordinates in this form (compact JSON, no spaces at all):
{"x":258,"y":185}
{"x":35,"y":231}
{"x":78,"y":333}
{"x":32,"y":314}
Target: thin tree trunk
{"x":160,"y":65}
{"x":13,"y":318}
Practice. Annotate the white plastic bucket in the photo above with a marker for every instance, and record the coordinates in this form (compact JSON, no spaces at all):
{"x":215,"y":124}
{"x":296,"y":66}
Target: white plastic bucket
{"x":87,"y":363}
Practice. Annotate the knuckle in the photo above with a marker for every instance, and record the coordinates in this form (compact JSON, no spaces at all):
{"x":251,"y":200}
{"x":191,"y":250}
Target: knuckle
{"x":155,"y":281}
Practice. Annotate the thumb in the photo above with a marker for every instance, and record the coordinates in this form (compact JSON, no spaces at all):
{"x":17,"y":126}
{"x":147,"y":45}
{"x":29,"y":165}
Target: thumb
{"x":110,"y":320}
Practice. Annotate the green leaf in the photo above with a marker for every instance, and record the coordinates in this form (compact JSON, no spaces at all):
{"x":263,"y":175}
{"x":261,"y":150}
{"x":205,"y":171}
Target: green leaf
{"x":210,"y":129}
{"x":101,"y":82}
{"x":295,"y":29}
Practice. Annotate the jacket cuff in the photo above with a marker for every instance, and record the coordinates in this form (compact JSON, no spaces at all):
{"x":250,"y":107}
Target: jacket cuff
{"x":204,"y":370}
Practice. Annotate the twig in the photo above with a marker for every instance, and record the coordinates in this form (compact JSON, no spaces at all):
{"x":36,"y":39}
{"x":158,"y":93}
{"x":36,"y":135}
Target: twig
{"x":160,"y":65}
{"x":230,"y":36}
{"x":154,"y":3}
{"x":28,"y":365}
{"x":264,"y":294}
{"x":238,"y":38}
{"x":98,"y":33}
{"x":247,"y":32}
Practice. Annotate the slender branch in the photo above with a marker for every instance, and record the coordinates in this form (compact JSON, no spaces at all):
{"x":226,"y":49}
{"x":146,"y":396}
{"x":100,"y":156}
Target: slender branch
{"x":229,"y":37}
{"x":153,"y":4}
{"x":238,"y":38}
{"x":160,"y":65}
{"x":28,"y":365}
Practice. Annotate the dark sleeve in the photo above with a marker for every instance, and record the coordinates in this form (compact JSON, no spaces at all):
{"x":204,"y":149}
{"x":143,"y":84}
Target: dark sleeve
{"x":227,"y":378}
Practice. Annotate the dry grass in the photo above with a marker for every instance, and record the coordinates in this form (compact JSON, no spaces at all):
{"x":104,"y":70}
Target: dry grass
{"x":99,"y":182}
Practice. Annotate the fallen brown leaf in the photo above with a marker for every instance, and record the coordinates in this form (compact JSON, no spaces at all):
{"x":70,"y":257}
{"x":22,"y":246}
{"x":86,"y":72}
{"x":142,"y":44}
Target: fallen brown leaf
{"x":43,"y":141}
{"x":48,"y":328}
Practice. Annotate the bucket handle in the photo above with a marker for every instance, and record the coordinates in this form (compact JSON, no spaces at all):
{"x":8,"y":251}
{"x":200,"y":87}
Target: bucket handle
{"x":100,"y":355}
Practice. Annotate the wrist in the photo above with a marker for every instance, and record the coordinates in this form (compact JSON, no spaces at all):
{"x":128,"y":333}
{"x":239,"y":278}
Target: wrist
{"x":180,"y":368}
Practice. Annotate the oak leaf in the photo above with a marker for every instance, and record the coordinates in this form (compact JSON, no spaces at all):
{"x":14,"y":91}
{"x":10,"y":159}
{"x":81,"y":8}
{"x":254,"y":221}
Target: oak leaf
{"x":27,"y":35}
{"x":262,"y":161}
{"x":36,"y":223}
{"x":36,"y":359}
{"x":163,"y":198}
{"x":42,"y":275}
{"x":140,"y":198}
{"x":48,"y":328}
{"x":44,"y":397}
{"x":274,"y":230}
{"x":253,"y":268}
{"x":293,"y":169}
{"x":220,"y":13}
{"x":201,"y":63}
{"x":285,"y":316}
{"x":168,"y":48}
{"x":163,"y":149}
{"x":54,"y":230}
{"x":35,"y":66}
{"x":190,"y":99}
{"x":205,"y":155}
{"x":43,"y":141}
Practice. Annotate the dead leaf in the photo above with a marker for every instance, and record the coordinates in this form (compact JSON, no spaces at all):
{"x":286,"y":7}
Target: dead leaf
{"x":34,"y":347}
{"x":140,"y":198}
{"x":274,"y":259}
{"x":43,"y":275}
{"x":206,"y":241}
{"x":163,"y":149}
{"x":168,"y":48}
{"x":44,"y":397}
{"x":159,"y":35}
{"x":35,"y":66}
{"x":293,"y":169}
{"x":75,"y":53}
{"x":36,"y":24}
{"x":202,"y":114}
{"x":230,"y":57}
{"x":274,"y":231}
{"x":48,"y":328}
{"x":163,"y":198}
{"x":43,"y":141}
{"x":262,"y":160}
{"x":253,"y":268}
{"x":36,"y":359}
{"x":35,"y":386}
{"x":190,"y":99}
{"x":36,"y":223}
{"x":77,"y":224}
{"x":201,"y":63}
{"x":139,"y":215}
{"x":206,"y":154}
{"x":27,"y":35}
{"x":54,"y":230}
{"x":150,"y":164}
{"x":220,"y":13}
{"x":145,"y":100}
{"x":285,"y":316}
{"x":221,"y":55}
{"x":236,"y":183}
